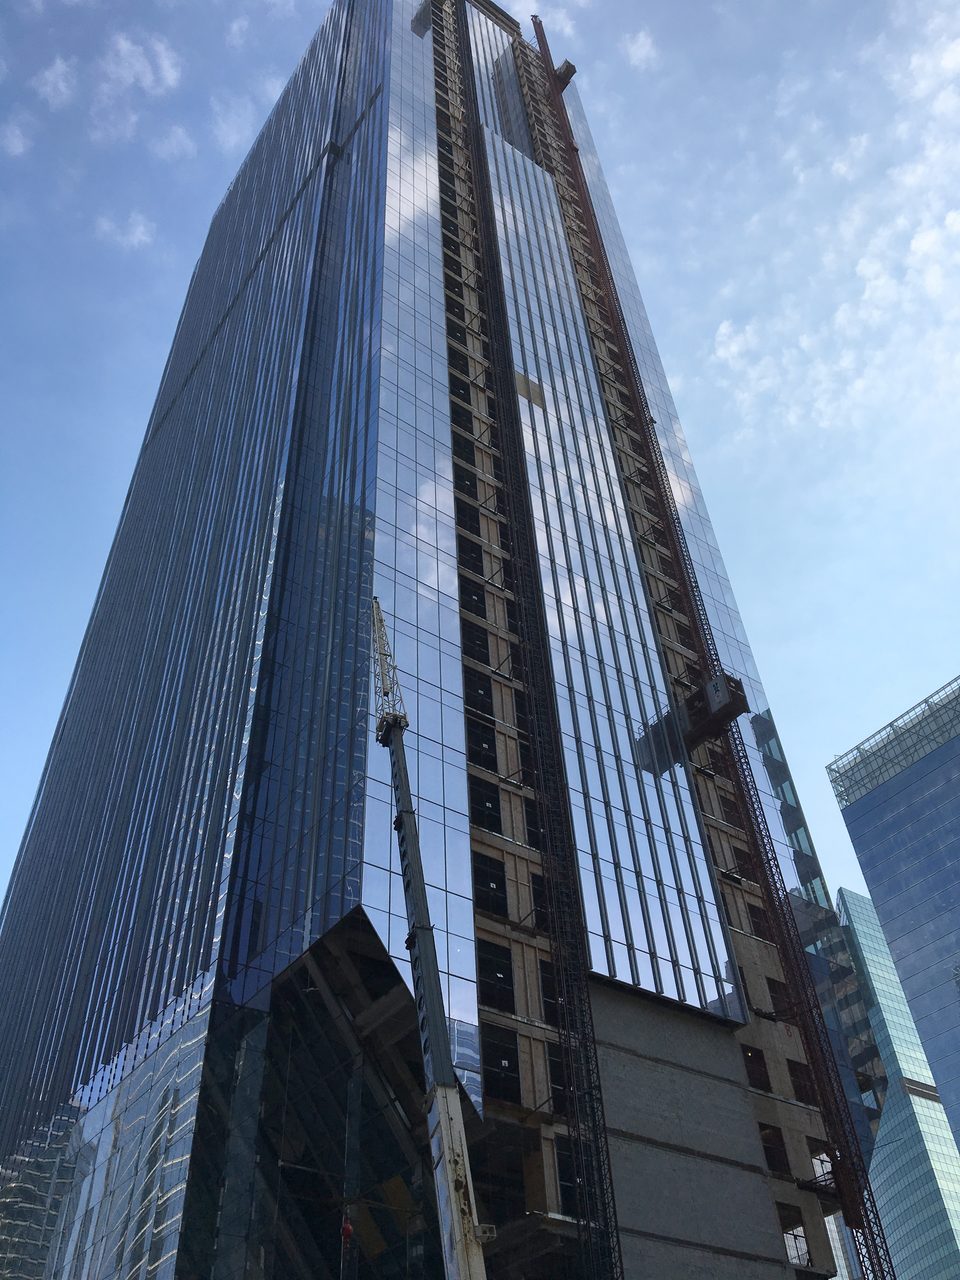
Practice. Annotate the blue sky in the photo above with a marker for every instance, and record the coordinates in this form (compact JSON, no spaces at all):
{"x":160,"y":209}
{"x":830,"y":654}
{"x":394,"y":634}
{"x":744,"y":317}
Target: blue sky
{"x":788,"y":177}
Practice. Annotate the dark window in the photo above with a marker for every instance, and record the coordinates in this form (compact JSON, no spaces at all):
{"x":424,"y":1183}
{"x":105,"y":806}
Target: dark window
{"x":567,"y":1176}
{"x":774,"y":1149}
{"x":475,"y":642}
{"x":461,"y":417}
{"x":746,"y":863}
{"x":528,"y":771}
{"x":756,"y":1065}
{"x":685,"y":637}
{"x":760,"y":925}
{"x":548,"y":993}
{"x":500,"y":1058}
{"x":794,"y":1236}
{"x":478,"y":691}
{"x":497,"y":1167}
{"x":464,"y":481}
{"x":489,"y":884}
{"x":485,"y":804}
{"x":481,"y":744}
{"x":520,"y":711}
{"x":780,"y":1001}
{"x":820,"y":1159}
{"x":495,"y":976}
{"x":457,"y":360}
{"x":558,"y":1079}
{"x":512,"y":622}
{"x":804,"y":1087}
{"x":538,"y":891}
{"x":468,"y":517}
{"x":459,"y":387}
{"x":516,"y":665}
{"x":534,"y":829}
{"x":473,"y":598}
{"x":470,"y":555}
{"x":730,"y":810}
{"x":464,"y":449}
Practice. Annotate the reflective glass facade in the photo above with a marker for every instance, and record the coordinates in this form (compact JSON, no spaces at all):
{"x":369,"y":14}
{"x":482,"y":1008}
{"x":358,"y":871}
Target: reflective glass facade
{"x":798,"y":861}
{"x":206,"y":1040}
{"x":899,"y":792}
{"x":915,"y":1167}
{"x":648,"y":895}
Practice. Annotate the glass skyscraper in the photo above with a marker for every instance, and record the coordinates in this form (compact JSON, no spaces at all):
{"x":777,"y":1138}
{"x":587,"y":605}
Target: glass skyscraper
{"x":915,"y":1165}
{"x":899,"y":791}
{"x":414,"y":364}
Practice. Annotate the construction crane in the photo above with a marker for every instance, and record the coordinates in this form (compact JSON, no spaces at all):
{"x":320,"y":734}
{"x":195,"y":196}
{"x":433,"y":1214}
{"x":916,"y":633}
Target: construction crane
{"x":456,"y":1207}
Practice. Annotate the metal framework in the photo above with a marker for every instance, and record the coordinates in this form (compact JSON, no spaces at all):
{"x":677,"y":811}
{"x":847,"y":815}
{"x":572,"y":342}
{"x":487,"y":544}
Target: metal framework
{"x":456,"y":1204}
{"x":902,"y":742}
{"x":598,"y":1237}
{"x":853,"y":1186}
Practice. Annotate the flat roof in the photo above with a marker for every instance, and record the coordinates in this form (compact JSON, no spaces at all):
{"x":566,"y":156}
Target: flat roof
{"x":897,"y":745}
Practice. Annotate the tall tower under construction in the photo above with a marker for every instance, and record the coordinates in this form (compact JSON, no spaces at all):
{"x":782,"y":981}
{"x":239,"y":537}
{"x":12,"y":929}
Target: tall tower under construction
{"x":414,"y":365}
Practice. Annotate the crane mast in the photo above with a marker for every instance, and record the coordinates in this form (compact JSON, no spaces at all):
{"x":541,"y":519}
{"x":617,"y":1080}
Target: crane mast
{"x":456,"y":1206}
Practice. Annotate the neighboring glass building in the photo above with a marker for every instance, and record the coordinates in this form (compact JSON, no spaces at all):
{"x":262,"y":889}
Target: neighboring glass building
{"x":915,"y":1165}
{"x":899,"y":792}
{"x":413,"y":363}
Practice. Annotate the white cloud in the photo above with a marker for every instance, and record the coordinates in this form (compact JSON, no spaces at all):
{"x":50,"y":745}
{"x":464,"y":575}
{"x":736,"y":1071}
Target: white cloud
{"x":731,"y":344}
{"x":237,"y":32}
{"x":846,"y":164}
{"x":151,"y":65}
{"x":176,"y":144}
{"x":137,"y":232}
{"x":57,"y":84}
{"x":789,"y":92}
{"x":557,"y":20}
{"x":847,"y":292}
{"x":234,"y":123}
{"x":129,"y":71}
{"x":641,"y":50}
{"x":16,"y":137}
{"x":271,"y":87}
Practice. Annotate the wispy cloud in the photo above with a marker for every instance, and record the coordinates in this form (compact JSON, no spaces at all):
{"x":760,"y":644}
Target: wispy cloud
{"x":151,"y":65}
{"x":234,"y":121}
{"x":175,"y":144}
{"x":271,"y":87}
{"x":869,"y":334}
{"x":129,"y":71}
{"x":237,"y":32}
{"x":557,"y":18}
{"x":57,"y":84}
{"x":16,"y":136}
{"x":137,"y":232}
{"x":640,"y":49}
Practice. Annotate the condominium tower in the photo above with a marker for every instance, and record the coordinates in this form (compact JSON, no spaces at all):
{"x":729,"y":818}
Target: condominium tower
{"x":899,"y":792}
{"x":914,"y":1165}
{"x":414,"y":364}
